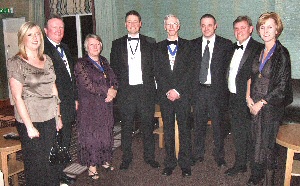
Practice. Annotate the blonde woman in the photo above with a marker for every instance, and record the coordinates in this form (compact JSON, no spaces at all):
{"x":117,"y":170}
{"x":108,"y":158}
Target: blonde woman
{"x":34,"y":95}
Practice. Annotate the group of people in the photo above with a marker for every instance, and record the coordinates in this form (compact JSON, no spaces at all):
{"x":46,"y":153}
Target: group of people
{"x":207,"y":76}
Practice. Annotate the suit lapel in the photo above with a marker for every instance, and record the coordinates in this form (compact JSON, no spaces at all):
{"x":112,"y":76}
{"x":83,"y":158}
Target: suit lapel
{"x":143,"y":48}
{"x":246,"y":54}
{"x":124,"y":51}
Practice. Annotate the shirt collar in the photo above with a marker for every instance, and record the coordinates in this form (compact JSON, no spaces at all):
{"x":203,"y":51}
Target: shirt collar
{"x":211,"y":40}
{"x":244,"y":43}
{"x":136,"y":36}
{"x":53,"y":43}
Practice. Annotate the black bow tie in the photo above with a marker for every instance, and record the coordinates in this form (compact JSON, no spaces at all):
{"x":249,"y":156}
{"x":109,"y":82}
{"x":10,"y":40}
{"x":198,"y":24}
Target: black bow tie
{"x":237,"y":47}
{"x":172,"y":42}
{"x":59,"y":46}
{"x":132,"y":38}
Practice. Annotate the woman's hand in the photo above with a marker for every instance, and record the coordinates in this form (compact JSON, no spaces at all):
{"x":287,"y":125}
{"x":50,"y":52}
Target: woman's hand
{"x":111,"y":94}
{"x":109,"y":98}
{"x":250,"y":102}
{"x":32,"y":132}
{"x":256,"y":108}
{"x":59,"y":124}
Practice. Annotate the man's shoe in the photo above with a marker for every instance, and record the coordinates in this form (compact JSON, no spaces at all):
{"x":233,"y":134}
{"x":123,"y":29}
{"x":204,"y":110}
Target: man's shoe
{"x":167,"y":171}
{"x":195,"y":160}
{"x":153,"y":163}
{"x":67,"y":180}
{"x":235,"y":170}
{"x":221,"y":162}
{"x":124,"y":165}
{"x":186,"y":172}
{"x":255,"y":180}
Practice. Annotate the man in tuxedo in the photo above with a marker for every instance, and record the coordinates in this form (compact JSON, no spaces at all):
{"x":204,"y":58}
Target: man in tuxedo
{"x":211,"y":54}
{"x":65,"y":80}
{"x":132,"y":61}
{"x":239,"y":71}
{"x":173,"y":75}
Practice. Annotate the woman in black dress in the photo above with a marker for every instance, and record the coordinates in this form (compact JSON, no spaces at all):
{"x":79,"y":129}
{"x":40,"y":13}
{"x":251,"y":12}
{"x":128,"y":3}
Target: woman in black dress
{"x":269,"y":91}
{"x":97,"y":86}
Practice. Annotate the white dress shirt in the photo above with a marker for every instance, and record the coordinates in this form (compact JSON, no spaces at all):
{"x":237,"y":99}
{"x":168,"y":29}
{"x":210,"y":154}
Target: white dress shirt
{"x":134,"y":61}
{"x":234,"y":65}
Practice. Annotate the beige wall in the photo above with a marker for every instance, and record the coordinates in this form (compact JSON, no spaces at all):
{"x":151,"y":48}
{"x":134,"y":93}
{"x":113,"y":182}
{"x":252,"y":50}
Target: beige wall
{"x":21,"y":7}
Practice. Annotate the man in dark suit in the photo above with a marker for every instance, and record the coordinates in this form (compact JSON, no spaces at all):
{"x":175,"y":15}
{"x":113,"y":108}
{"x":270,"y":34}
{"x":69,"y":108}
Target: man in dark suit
{"x":211,"y":54}
{"x":65,"y":80}
{"x":132,"y":61}
{"x":173,"y":75}
{"x":239,"y":71}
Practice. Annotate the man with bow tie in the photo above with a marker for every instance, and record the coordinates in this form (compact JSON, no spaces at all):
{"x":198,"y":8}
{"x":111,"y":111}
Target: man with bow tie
{"x":246,"y":49}
{"x":65,"y":80}
{"x":173,"y":75}
{"x":132,"y":61}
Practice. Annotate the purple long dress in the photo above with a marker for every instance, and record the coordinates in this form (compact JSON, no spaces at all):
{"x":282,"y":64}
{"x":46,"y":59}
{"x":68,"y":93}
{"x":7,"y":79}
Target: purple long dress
{"x":94,"y":116}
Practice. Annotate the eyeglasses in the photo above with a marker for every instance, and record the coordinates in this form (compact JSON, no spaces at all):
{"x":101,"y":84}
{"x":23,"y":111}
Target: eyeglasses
{"x":172,"y":24}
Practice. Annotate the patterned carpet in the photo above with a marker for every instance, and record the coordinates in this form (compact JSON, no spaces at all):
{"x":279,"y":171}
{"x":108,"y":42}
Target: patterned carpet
{"x":7,"y":120}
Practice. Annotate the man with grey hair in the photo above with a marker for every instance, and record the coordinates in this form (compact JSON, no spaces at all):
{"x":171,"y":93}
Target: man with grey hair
{"x":172,"y":69}
{"x":239,"y":71}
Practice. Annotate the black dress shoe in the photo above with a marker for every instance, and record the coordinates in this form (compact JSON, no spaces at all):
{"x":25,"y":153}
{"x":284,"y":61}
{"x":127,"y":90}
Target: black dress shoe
{"x":67,"y":180}
{"x":235,"y":170}
{"x":153,"y":163}
{"x":255,"y":180}
{"x":186,"y":172}
{"x":221,"y":162}
{"x":124,"y":165}
{"x":167,"y":171}
{"x":194,"y":160}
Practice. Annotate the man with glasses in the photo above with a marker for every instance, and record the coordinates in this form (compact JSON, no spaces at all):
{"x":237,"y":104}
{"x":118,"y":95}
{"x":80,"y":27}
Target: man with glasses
{"x":173,"y":75}
{"x":132,"y":61}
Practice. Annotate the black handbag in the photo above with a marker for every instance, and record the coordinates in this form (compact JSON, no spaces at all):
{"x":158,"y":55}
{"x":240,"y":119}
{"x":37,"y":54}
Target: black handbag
{"x":58,"y":153}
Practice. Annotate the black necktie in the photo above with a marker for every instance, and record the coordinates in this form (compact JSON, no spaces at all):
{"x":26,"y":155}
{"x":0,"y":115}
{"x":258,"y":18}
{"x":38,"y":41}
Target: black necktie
{"x":172,"y":42}
{"x":204,"y":64}
{"x":235,"y":46}
{"x":132,"y":38}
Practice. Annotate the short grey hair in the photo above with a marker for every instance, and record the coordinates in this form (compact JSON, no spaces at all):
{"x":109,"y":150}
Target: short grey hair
{"x":170,"y":15}
{"x":91,"y":36}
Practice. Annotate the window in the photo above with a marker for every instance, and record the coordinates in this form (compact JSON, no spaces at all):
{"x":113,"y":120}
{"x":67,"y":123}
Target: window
{"x":76,"y":28}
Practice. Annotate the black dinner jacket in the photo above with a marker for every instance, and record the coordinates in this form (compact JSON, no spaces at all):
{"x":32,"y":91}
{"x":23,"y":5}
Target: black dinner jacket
{"x":280,"y":91}
{"x":119,"y":64}
{"x":252,"y":51}
{"x":178,"y":79}
{"x":67,"y":91}
{"x":220,"y":60}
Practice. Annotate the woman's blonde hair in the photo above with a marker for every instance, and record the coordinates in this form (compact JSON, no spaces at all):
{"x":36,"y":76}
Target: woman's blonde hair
{"x":25,"y":27}
{"x":270,"y":15}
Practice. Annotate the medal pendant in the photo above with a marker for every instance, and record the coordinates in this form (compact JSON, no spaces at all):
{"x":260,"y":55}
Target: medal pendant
{"x":259,"y":75}
{"x":104,"y":76}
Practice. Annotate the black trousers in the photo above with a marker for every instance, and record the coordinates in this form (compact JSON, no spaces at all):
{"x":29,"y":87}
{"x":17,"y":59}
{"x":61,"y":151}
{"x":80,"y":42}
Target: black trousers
{"x":181,"y":110}
{"x":240,"y":120}
{"x":137,"y":102}
{"x":208,"y":107}
{"x":38,"y":171}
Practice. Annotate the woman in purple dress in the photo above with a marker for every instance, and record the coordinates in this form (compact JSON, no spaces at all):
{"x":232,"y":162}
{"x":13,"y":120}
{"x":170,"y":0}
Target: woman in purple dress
{"x":97,"y":86}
